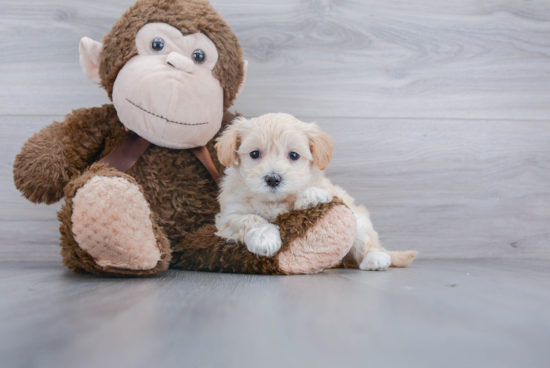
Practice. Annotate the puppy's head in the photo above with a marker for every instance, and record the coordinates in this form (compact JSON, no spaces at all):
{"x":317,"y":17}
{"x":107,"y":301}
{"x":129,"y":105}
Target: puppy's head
{"x":276,"y":154}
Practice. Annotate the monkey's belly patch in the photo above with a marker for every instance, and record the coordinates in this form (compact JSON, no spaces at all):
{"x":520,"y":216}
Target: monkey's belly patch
{"x":111,"y":222}
{"x":162,"y":117}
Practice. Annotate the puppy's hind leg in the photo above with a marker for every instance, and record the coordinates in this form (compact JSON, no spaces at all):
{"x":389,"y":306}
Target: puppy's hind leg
{"x":366,"y":253}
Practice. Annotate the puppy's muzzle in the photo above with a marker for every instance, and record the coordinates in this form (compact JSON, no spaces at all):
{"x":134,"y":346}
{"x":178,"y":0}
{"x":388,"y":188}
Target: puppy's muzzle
{"x":273,"y":180}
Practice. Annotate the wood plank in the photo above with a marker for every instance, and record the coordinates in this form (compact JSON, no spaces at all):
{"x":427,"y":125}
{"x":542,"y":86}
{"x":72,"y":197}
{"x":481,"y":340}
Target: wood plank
{"x":454,"y":314}
{"x":425,"y":59}
{"x":448,"y":188}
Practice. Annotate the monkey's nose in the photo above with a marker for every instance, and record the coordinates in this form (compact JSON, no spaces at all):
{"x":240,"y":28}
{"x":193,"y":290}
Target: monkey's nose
{"x":180,"y":62}
{"x":273,"y":180}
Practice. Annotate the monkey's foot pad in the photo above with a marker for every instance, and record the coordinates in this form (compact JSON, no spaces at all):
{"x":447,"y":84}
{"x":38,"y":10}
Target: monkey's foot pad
{"x":111,"y":222}
{"x":322,"y":245}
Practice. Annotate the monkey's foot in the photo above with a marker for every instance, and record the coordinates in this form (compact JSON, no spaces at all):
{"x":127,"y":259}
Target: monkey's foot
{"x":112,"y":223}
{"x":312,"y":240}
{"x":319,"y":238}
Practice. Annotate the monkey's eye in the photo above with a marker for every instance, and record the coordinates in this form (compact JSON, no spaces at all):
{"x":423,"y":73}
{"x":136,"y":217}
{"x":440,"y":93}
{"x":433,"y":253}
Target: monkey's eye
{"x":293,"y":156}
{"x":157,"y":45}
{"x":255,"y":155}
{"x":199,"y":57}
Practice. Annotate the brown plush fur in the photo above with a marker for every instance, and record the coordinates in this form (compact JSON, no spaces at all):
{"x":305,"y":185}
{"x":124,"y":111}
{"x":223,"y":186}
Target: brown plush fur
{"x":54,"y":155}
{"x":204,"y":251}
{"x":181,"y":194}
{"x":180,"y":191}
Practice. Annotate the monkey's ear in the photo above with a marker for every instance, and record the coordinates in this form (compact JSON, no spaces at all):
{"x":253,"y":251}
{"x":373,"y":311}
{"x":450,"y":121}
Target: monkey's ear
{"x":241,"y":86}
{"x":90,"y":56}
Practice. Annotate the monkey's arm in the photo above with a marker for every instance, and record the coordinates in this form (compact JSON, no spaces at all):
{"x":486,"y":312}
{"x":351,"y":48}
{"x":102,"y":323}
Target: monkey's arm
{"x":59,"y":151}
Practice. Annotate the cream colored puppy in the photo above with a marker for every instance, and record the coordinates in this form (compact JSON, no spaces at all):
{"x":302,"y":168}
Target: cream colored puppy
{"x":274,"y":165}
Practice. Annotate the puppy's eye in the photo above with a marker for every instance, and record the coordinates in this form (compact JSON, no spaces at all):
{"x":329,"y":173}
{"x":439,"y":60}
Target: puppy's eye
{"x":255,"y":155}
{"x":157,"y":45}
{"x":293,"y":156}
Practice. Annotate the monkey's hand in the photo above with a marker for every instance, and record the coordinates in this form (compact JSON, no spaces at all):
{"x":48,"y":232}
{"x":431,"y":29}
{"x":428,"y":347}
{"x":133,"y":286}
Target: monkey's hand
{"x":52,"y":156}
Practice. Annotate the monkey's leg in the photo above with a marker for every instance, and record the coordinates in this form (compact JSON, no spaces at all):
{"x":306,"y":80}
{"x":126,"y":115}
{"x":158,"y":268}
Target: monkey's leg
{"x":312,"y":239}
{"x":107,"y":227}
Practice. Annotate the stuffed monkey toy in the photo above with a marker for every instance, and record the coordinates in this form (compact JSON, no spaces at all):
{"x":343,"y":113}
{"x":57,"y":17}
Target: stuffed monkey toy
{"x":138,"y":177}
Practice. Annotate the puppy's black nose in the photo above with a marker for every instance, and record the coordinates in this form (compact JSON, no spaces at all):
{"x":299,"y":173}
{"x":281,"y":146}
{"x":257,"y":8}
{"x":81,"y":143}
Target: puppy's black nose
{"x":273,"y":180}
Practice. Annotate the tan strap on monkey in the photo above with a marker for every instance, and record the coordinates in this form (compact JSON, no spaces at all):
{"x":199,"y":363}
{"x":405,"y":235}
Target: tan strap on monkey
{"x":127,"y":154}
{"x":204,"y":156}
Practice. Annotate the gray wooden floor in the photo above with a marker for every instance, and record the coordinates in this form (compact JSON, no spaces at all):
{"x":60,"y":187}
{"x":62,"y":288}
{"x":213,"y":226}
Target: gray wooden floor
{"x":441,"y":115}
{"x":438,"y":313}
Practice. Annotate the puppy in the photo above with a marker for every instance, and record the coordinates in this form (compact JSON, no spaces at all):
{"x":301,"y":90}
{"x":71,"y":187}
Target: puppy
{"x":274,"y":165}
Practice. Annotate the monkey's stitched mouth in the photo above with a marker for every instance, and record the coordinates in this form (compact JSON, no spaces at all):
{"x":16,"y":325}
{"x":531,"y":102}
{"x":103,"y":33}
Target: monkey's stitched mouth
{"x":162,"y":117}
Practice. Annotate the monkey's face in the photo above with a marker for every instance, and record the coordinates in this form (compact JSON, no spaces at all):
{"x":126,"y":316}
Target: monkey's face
{"x":167,"y":94}
{"x":171,"y":69}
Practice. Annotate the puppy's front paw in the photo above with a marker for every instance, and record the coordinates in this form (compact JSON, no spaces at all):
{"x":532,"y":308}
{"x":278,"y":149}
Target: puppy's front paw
{"x":312,"y":197}
{"x":264,"y":240}
{"x":375,"y":261}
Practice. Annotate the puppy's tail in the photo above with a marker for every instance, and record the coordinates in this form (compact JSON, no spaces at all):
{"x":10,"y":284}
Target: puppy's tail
{"x":402,"y":259}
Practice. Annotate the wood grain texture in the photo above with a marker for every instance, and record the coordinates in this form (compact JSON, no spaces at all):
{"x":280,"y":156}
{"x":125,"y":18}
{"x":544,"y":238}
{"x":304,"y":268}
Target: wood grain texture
{"x":448,"y":188}
{"x":441,"y":115}
{"x":453,"y":314}
{"x":487,"y":59}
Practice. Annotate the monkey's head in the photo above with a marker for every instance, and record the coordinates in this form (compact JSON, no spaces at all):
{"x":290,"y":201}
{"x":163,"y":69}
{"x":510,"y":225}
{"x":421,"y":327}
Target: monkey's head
{"x":171,"y":68}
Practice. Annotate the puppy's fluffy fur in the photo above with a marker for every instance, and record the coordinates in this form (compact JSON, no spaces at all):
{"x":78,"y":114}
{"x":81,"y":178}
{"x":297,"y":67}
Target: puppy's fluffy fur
{"x":249,"y":205}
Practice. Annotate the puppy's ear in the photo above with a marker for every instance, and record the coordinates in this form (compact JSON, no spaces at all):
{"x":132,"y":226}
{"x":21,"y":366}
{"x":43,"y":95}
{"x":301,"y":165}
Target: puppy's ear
{"x":321,"y":146}
{"x":228,"y":143}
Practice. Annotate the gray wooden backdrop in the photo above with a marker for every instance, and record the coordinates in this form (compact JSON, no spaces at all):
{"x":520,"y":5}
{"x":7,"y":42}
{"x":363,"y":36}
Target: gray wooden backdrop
{"x":440,"y":109}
